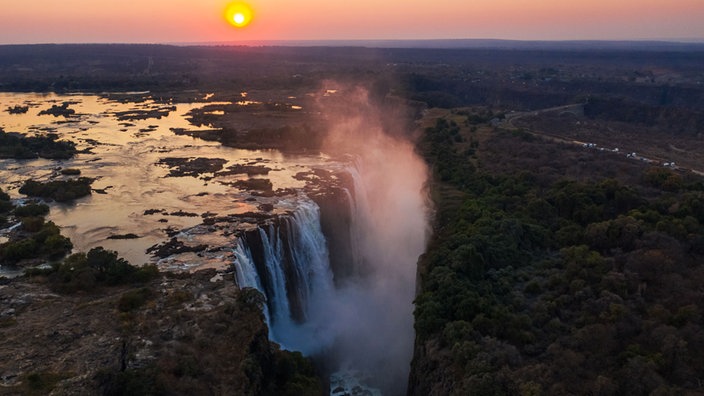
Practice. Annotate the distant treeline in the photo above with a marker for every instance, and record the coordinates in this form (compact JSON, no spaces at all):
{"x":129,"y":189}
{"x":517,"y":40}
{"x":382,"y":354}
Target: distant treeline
{"x":522,"y":76}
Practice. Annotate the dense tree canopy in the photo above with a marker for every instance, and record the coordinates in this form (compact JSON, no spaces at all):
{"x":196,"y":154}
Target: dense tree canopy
{"x":561,"y":286}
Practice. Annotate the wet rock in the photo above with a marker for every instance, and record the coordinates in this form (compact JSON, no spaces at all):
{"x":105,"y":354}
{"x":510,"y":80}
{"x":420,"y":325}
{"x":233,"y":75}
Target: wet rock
{"x":210,"y":135}
{"x":136,"y":114}
{"x":266,"y":207}
{"x":70,"y":172}
{"x":59,"y":110}
{"x":249,"y":170}
{"x":17,"y":109}
{"x":171,"y":231}
{"x":282,"y":192}
{"x":254,"y":184}
{"x":182,"y":213}
{"x":193,"y":167}
{"x":172,"y":247}
{"x":103,"y":191}
{"x":124,"y":236}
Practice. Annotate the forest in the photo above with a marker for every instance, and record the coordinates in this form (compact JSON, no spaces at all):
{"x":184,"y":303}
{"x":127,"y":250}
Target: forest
{"x":552,"y":269}
{"x":546,"y":278}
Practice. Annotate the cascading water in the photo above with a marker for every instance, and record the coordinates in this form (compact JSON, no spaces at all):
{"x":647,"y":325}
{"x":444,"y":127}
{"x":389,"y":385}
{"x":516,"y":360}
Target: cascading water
{"x":277,"y":299}
{"x":247,"y":275}
{"x":363,"y":321}
{"x":293,"y":257}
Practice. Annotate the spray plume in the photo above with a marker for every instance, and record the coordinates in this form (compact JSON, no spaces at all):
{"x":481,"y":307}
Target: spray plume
{"x":372,"y":313}
{"x":364,"y":321}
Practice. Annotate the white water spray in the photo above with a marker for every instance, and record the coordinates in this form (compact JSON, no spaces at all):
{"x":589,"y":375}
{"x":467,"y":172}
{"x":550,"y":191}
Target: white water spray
{"x":366,"y":323}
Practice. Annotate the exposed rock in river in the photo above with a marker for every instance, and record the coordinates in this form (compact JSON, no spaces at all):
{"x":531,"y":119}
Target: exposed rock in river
{"x":192,"y":166}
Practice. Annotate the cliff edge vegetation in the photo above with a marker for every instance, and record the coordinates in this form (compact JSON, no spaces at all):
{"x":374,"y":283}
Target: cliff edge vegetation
{"x":555,"y":269}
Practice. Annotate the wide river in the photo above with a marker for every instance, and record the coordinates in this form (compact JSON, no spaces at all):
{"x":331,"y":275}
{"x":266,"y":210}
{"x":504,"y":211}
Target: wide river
{"x":127,"y":137}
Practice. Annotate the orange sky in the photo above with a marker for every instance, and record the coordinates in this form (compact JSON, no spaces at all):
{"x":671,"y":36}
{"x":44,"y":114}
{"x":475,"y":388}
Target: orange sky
{"x":180,"y":21}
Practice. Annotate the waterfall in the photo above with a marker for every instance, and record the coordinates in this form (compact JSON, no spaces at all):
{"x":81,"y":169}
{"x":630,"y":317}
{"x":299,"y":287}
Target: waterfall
{"x":287,"y":261}
{"x":309,"y":253}
{"x":277,"y":298}
{"x":245,"y":270}
{"x":364,"y":320}
{"x":357,"y":205}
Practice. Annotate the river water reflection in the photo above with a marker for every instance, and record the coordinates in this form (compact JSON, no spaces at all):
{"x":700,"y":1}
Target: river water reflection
{"x":126,"y":140}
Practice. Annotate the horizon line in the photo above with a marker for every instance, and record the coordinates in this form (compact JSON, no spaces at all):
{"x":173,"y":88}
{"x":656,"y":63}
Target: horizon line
{"x":439,"y":43}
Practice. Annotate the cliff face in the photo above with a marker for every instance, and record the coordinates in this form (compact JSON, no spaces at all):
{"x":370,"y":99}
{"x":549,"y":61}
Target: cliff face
{"x":336,"y":224}
{"x":176,"y":335}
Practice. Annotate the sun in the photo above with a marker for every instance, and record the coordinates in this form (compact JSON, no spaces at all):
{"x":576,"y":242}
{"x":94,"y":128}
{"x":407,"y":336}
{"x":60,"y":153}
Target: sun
{"x":238,"y":14}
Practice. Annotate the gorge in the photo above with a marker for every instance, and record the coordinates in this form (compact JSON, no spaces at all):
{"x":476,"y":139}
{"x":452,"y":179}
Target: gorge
{"x":331,"y":243}
{"x":352,"y":305}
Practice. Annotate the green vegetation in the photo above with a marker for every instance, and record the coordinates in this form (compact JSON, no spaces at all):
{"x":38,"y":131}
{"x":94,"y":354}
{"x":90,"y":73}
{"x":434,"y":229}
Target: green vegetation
{"x":294,"y":375}
{"x":35,"y":238}
{"x":133,"y":299}
{"x":535,"y":285}
{"x":32,"y":210}
{"x":100,"y":267}
{"x":59,"y":190}
{"x":40,"y":383}
{"x":45,"y":146}
{"x":41,"y":240}
{"x":6,"y":207}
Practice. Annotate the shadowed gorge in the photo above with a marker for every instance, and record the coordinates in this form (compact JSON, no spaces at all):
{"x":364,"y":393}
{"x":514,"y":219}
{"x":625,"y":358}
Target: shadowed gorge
{"x":357,"y":318}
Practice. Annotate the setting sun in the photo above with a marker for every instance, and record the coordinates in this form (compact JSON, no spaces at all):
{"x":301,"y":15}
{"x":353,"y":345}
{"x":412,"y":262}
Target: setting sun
{"x":238,"y":14}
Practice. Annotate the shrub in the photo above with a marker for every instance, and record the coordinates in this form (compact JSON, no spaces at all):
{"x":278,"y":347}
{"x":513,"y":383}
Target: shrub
{"x":133,"y":299}
{"x":13,"y":252}
{"x":293,"y":374}
{"x":32,"y":210}
{"x":73,"y":275}
{"x":32,"y":224}
{"x":56,"y":246}
{"x":5,"y":203}
{"x":82,"y":271}
{"x":59,"y":190}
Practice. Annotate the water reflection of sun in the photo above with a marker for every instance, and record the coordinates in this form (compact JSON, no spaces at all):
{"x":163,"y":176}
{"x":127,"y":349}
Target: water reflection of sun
{"x":238,"y":14}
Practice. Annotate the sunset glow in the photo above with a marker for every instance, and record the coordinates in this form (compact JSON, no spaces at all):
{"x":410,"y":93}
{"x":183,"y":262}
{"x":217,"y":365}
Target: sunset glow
{"x":238,"y":14}
{"x":184,"y":21}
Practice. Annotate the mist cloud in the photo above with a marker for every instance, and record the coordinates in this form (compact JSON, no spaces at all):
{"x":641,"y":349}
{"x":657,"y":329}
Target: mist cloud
{"x":372,"y":315}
